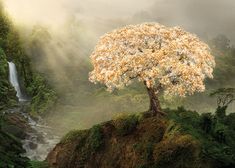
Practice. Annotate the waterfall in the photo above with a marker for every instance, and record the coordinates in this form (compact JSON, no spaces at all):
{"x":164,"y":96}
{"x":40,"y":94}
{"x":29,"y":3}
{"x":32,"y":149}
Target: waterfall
{"x":13,"y":77}
{"x":40,"y":139}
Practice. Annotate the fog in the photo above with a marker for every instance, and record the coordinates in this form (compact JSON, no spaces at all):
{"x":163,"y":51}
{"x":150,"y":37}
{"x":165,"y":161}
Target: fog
{"x":206,"y":18}
{"x":59,"y":36}
{"x":57,"y":12}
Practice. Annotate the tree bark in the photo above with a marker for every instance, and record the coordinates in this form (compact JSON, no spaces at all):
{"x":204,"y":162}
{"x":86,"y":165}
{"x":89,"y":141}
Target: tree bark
{"x":154,"y":105}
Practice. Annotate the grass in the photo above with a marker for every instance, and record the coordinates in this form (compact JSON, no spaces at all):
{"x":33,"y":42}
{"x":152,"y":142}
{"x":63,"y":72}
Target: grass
{"x":96,"y":138}
{"x":126,"y":124}
{"x":72,"y":135}
{"x":38,"y":164}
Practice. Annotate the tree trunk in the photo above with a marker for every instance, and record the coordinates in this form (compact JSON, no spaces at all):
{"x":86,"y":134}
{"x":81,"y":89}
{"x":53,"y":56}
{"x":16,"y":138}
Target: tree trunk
{"x":154,"y":106}
{"x":221,"y":111}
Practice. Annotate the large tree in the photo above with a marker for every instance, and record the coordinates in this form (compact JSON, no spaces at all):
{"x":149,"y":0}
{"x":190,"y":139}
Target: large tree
{"x":163,"y":58}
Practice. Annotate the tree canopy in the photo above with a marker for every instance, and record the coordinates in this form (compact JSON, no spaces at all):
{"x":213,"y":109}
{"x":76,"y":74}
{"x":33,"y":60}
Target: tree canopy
{"x":152,"y":53}
{"x":225,"y":96}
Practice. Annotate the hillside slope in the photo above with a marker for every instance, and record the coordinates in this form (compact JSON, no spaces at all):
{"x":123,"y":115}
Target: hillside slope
{"x":137,"y":141}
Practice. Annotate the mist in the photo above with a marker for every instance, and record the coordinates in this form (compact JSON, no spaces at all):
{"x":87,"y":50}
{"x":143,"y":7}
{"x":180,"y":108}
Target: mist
{"x":60,"y":35}
{"x":209,"y":17}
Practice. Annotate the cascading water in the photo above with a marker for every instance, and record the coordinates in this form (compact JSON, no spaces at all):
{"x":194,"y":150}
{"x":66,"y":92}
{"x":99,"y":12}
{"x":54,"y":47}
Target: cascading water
{"x":40,"y":140}
{"x":13,"y":77}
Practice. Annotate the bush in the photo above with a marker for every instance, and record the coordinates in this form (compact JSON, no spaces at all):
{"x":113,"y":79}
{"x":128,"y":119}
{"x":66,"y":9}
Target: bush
{"x":206,"y":122}
{"x":126,"y":124}
{"x":7,"y":93}
{"x":73,"y":135}
{"x":180,"y":151}
{"x":216,"y":135}
{"x":95,"y":140}
{"x":44,"y":97}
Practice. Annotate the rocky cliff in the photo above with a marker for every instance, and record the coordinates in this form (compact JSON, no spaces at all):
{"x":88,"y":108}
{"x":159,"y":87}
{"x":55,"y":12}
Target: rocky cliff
{"x":130,"y":142}
{"x":183,"y":139}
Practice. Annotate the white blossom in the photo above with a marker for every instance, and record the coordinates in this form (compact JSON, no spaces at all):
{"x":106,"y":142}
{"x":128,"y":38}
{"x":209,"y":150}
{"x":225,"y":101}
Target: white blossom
{"x":152,"y":53}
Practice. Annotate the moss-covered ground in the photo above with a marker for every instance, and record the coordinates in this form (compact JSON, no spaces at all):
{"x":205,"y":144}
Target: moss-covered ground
{"x":184,"y":139}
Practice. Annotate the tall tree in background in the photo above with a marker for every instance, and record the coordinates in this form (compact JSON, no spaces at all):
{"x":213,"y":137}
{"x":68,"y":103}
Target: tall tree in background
{"x":225,"y":97}
{"x":163,"y":58}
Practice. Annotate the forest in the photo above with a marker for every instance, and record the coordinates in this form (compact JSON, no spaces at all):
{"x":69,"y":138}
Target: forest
{"x":109,"y":88}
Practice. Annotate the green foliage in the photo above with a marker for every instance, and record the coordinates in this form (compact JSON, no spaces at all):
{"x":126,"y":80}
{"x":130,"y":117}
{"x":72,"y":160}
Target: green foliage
{"x":175,"y":150}
{"x":72,"y":135}
{"x":216,"y":136}
{"x":126,"y":124}
{"x":37,"y":164}
{"x":4,"y":26}
{"x":15,"y":52}
{"x":96,"y":138}
{"x":88,"y":142}
{"x":146,"y":150}
{"x":149,"y":151}
{"x":12,"y":46}
{"x":188,"y":140}
{"x":180,"y":151}
{"x":229,"y":120}
{"x":206,"y":122}
{"x":4,"y":85}
{"x":221,"y":112}
{"x":189,"y":120}
{"x":10,"y":151}
{"x":93,"y":138}
{"x":219,"y":131}
{"x":224,"y":96}
{"x":7,"y":93}
{"x":11,"y":49}
{"x":3,"y":63}
{"x":44,"y":97}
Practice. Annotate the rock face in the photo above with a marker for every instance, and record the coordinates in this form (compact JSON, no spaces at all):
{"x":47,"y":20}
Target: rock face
{"x":127,"y":142}
{"x":13,"y":130}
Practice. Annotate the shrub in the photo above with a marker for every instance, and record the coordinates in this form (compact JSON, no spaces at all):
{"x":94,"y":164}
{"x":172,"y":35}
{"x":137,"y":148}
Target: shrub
{"x":44,"y":97}
{"x":177,"y":152}
{"x":73,"y":135}
{"x":216,"y":135}
{"x":206,"y":122}
{"x":95,"y":140}
{"x":126,"y":124}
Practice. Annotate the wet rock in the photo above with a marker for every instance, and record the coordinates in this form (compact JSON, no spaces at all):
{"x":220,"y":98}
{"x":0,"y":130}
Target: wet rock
{"x":13,"y":130}
{"x":40,"y":138}
{"x":32,"y":145}
{"x":16,"y":125}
